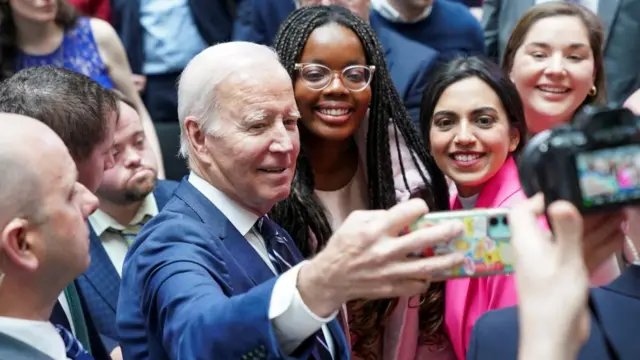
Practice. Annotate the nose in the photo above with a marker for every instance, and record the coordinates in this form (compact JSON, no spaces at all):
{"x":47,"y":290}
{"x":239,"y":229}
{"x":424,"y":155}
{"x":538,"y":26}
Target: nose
{"x":465,"y":135}
{"x":283,"y":139}
{"x":89,"y":201}
{"x":132,"y":157}
{"x":336,"y":85}
{"x":555,"y":66}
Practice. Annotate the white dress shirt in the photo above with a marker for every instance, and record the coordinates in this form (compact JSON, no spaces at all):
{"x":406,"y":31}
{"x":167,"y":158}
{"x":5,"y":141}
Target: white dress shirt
{"x":589,"y":4}
{"x":40,"y":335}
{"x":292,"y":320}
{"x":390,"y":13}
{"x":114,"y":244}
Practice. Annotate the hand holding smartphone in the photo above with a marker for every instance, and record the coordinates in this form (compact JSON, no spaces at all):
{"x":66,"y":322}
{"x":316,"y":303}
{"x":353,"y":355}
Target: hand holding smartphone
{"x":486,"y":242}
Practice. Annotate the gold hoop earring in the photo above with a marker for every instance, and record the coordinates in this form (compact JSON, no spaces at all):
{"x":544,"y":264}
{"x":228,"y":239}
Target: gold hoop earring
{"x":593,"y":91}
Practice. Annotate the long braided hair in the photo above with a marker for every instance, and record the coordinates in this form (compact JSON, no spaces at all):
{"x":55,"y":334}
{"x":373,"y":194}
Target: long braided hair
{"x":302,"y":214}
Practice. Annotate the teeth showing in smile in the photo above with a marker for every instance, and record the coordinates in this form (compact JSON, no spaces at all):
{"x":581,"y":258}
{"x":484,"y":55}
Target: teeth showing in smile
{"x":466,"y":157}
{"x":553,"y":90}
{"x":274,"y":170}
{"x":334,"y":112}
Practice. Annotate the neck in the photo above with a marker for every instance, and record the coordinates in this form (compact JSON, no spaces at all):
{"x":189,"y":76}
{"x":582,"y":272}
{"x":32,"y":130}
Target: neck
{"x":37,"y":37}
{"x":537,"y":122}
{"x":469,"y":191}
{"x":122,"y":213}
{"x":22,"y":300}
{"x":334,"y":162}
{"x":408,"y":11}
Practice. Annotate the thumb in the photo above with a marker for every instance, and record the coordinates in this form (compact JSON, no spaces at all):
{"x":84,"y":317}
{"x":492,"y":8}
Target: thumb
{"x":566,"y":222}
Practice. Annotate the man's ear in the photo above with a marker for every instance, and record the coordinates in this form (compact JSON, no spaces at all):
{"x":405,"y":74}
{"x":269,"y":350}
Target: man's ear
{"x":17,"y":244}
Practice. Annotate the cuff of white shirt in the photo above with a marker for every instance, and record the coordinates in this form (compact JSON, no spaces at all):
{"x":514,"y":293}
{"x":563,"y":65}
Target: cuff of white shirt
{"x":292,"y":320}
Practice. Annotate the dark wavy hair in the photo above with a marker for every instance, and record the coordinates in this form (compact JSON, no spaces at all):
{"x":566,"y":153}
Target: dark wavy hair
{"x":66,"y":17}
{"x":491,"y":74}
{"x":302,"y":212}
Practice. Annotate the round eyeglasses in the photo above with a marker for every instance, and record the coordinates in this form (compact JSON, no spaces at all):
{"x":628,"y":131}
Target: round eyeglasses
{"x":318,"y":77}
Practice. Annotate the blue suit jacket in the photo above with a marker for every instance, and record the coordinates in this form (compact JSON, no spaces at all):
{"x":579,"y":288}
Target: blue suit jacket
{"x":495,"y":335}
{"x":409,"y":62}
{"x":194,"y":288}
{"x":213,"y":18}
{"x":100,"y":284}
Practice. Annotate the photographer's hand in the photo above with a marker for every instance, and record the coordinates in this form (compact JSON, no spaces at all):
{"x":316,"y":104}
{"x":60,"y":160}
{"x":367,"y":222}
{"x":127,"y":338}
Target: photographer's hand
{"x":603,"y":237}
{"x":366,"y":259}
{"x":551,"y":279}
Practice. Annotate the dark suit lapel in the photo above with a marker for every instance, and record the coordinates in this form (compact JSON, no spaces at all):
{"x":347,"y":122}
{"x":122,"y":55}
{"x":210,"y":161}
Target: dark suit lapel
{"x":101,"y":274}
{"x":245,"y":255}
{"x":248,"y":260}
{"x":607,"y":11}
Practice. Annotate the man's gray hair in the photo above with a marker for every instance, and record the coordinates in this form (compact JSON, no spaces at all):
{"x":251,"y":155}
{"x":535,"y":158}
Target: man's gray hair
{"x":198,"y":84}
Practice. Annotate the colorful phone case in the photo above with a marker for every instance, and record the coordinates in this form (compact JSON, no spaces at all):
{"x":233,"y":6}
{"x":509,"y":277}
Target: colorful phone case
{"x":486,"y":242}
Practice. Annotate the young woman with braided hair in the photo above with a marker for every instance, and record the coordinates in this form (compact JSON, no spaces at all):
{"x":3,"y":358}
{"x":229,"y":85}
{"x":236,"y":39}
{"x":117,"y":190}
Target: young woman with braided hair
{"x":359,"y":150}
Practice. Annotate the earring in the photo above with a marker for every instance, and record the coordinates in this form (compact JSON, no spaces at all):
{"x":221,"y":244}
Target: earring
{"x":593,"y":91}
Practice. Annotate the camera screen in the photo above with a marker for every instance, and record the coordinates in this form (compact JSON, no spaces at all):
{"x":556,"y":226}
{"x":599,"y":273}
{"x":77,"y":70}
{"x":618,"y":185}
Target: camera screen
{"x":609,"y":176}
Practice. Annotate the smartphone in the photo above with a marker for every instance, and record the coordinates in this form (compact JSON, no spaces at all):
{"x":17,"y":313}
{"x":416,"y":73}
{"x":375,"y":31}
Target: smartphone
{"x":485,"y":242}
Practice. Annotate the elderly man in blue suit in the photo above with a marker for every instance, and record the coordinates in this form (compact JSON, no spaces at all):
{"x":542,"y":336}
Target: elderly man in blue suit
{"x":211,"y":276}
{"x":129,"y":195}
{"x":409,"y":62}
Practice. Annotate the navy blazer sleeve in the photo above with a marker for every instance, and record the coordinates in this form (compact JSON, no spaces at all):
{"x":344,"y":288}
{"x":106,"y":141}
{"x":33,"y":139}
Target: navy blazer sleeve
{"x":184,"y":286}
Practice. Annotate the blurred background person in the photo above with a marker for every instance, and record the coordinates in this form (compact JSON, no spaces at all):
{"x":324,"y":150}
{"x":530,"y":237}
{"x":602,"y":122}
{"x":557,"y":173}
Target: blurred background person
{"x":359,"y":151}
{"x":130,"y":194}
{"x":100,"y":9}
{"x":160,"y":37}
{"x":51,"y":33}
{"x":620,"y":41}
{"x":555,"y":78}
{"x":43,"y":246}
{"x":444,"y":25}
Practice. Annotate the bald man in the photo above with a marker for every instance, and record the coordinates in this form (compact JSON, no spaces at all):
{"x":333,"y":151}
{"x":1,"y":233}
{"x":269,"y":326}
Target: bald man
{"x":43,"y":238}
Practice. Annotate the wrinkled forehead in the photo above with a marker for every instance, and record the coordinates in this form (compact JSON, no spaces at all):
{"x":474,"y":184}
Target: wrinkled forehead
{"x":259,"y":94}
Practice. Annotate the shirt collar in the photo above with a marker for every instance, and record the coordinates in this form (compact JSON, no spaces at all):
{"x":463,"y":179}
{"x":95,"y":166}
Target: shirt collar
{"x":101,"y":221}
{"x":40,"y":335}
{"x":390,"y":13}
{"x":241,"y":218}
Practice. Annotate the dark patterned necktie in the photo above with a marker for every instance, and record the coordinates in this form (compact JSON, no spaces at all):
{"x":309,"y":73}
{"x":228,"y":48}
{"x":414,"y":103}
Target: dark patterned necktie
{"x":72,"y":346}
{"x":282,"y":259}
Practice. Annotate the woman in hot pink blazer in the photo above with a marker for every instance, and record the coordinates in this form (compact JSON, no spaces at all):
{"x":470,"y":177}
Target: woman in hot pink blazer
{"x":473,"y":123}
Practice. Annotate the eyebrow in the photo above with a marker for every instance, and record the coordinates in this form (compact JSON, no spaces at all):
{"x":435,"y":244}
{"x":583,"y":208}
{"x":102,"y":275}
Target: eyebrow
{"x":547,"y":46}
{"x":474,"y":112}
{"x":350,"y":62}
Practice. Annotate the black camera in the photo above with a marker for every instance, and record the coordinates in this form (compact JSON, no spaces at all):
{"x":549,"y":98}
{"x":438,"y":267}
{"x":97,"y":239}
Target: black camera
{"x":594,"y":162}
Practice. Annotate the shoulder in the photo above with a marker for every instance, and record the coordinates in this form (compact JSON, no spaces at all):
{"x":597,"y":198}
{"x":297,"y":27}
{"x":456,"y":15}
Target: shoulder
{"x":497,"y":324}
{"x":104,"y":34}
{"x":461,"y":13}
{"x":167,"y":185}
{"x":413,"y":55}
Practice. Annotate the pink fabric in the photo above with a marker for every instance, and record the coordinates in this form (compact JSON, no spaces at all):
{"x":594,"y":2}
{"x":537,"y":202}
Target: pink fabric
{"x":400,"y":338}
{"x":468,"y":298}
